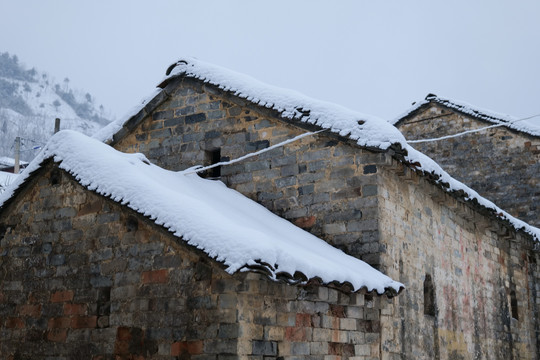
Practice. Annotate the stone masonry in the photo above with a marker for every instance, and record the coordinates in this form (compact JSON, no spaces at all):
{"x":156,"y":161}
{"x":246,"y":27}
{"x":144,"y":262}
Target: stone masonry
{"x":484,"y":276}
{"x":500,"y":163}
{"x":318,"y":183}
{"x":84,"y":277}
{"x":472,"y":281}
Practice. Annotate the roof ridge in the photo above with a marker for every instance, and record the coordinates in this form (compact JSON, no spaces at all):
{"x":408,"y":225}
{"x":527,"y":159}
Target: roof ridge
{"x":474,"y":111}
{"x":367,"y":131}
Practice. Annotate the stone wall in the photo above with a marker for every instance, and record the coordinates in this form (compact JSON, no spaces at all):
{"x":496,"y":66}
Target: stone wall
{"x":312,"y":322}
{"x":86,"y":278}
{"x":482,"y":278}
{"x":501,"y":164}
{"x":323,"y":185}
{"x":372,"y":208}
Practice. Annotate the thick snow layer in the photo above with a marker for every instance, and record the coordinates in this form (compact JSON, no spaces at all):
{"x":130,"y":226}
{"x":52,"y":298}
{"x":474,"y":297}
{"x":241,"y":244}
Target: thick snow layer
{"x":366,"y":130}
{"x":370,"y":132}
{"x":206,"y":214}
{"x":479,"y":113}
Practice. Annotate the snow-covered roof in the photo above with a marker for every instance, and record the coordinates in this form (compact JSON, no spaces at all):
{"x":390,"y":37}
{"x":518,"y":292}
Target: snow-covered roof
{"x":368,"y":131}
{"x":6,"y":179}
{"x":473,"y":111}
{"x":10,"y":162}
{"x":206,"y":214}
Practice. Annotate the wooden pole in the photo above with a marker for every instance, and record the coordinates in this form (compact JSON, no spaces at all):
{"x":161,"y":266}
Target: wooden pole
{"x":56,"y":125}
{"x":17,"y":154}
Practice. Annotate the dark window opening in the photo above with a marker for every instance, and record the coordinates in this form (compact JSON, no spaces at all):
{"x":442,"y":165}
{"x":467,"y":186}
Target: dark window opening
{"x":55,"y":177}
{"x":212,"y":157}
{"x":132,"y":224}
{"x":514,"y":304}
{"x":429,"y":296}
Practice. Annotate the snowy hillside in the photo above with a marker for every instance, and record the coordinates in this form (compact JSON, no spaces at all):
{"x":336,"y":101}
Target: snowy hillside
{"x":30,"y":101}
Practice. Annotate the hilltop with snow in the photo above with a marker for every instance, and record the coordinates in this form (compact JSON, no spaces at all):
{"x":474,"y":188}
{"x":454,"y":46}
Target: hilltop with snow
{"x":30,"y":101}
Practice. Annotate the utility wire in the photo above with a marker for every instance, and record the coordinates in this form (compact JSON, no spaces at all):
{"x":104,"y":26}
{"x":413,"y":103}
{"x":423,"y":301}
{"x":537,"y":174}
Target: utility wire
{"x":199,"y":169}
{"x":469,"y":131}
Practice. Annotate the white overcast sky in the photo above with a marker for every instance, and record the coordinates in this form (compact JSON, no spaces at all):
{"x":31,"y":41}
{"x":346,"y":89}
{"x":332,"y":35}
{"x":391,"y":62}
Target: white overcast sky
{"x":376,"y":57}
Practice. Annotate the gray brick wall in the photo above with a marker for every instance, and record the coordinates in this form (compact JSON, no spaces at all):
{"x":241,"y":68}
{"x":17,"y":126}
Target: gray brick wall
{"x":501,"y":164}
{"x":323,"y":185}
{"x":85,"y":278}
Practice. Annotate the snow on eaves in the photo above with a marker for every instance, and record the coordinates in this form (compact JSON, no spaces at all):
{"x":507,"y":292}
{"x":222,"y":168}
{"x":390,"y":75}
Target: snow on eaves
{"x":476,"y":112}
{"x":368,"y":131}
{"x":223,"y":223}
{"x":426,"y":165}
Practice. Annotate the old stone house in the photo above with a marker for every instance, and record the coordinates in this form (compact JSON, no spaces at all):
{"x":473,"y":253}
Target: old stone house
{"x":470,"y":269}
{"x":105,"y":256}
{"x":501,"y":162}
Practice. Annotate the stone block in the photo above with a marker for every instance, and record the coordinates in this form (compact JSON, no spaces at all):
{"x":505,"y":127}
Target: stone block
{"x":194,"y":118}
{"x":264,"y":348}
{"x":300,"y":348}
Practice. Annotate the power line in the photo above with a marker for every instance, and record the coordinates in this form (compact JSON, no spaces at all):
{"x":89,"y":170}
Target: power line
{"x":200,"y":168}
{"x":469,"y":131}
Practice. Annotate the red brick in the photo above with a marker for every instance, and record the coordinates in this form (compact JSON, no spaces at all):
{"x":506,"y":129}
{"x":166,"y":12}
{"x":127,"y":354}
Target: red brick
{"x":337,"y":311}
{"x":189,"y":347}
{"x":14,"y":323}
{"x":340,"y":349}
{"x":59,"y":323}
{"x":90,"y":208}
{"x":84,"y":322}
{"x":30,"y":310}
{"x":74,"y":309}
{"x":295,"y":334}
{"x":121,"y":347}
{"x":303,"y":320}
{"x":123,"y":333}
{"x":62,"y":296}
{"x":305,"y":222}
{"x":57,"y":335}
{"x":156,"y":276}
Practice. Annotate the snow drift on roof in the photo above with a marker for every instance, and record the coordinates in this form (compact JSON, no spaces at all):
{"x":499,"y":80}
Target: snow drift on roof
{"x":206,"y":214}
{"x":366,"y":130}
{"x":476,"y":112}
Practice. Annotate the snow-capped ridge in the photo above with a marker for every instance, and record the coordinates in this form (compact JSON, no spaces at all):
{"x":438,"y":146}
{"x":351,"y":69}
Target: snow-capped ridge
{"x":366,"y":130}
{"x":489,"y":116}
